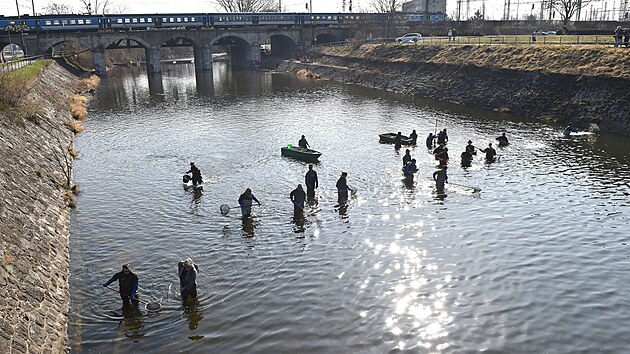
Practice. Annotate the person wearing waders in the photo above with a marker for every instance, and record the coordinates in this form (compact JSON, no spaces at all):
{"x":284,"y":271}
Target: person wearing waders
{"x":196,"y":174}
{"x":490,"y":153}
{"x":440,"y":178}
{"x":430,"y":141}
{"x":127,"y":285}
{"x":442,"y":137}
{"x":310,"y":179}
{"x":187,"y":271}
{"x":398,"y":141}
{"x":407,"y":158}
{"x":414,"y":137}
{"x":245,"y":201}
{"x":342,"y":188}
{"x":471,"y":148}
{"x":298,"y":197}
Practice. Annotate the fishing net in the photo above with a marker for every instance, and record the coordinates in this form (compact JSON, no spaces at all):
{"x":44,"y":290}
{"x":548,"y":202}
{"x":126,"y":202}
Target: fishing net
{"x":225,"y":209}
{"x":153,"y":306}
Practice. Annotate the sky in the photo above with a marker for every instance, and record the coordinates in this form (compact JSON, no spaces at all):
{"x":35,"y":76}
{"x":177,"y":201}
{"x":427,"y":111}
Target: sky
{"x":494,"y":8}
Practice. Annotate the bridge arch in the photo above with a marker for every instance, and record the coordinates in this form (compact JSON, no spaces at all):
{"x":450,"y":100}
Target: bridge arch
{"x":240,"y":49}
{"x":323,"y":38}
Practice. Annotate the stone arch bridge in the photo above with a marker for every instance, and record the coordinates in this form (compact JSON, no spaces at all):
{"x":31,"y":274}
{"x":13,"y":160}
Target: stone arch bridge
{"x":243,"y":45}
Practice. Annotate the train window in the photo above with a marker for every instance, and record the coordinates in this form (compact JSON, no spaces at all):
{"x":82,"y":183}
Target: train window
{"x":73,"y":22}
{"x":56,"y":22}
{"x":119,"y":20}
{"x":134,"y":20}
{"x":64,"y":22}
{"x":149,"y":19}
{"x":48,"y":22}
{"x":172,"y":19}
{"x":192,"y":19}
{"x":80,"y":22}
{"x":179,"y":19}
{"x":142,"y":20}
{"x":127,"y":20}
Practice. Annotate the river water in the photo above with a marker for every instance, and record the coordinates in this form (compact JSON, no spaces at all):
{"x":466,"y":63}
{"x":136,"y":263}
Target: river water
{"x":535,"y":262}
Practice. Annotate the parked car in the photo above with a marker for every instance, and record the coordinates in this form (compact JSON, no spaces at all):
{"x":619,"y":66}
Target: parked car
{"x":549,"y":33}
{"x":409,"y":37}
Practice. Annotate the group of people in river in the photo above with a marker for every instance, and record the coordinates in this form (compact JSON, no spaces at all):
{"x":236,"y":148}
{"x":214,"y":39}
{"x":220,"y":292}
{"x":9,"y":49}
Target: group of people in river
{"x":128,"y":283}
{"x":437,"y":144}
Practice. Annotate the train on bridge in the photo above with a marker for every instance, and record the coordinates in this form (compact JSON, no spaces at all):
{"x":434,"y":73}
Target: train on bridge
{"x":128,"y":22}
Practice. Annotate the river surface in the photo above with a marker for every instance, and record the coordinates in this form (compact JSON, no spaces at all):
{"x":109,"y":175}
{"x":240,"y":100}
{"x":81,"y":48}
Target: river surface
{"x":536,"y":262}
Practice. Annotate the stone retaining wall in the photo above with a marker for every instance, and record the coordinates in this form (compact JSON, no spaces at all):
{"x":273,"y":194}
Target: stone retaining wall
{"x":554,"y":97}
{"x":34,"y":220}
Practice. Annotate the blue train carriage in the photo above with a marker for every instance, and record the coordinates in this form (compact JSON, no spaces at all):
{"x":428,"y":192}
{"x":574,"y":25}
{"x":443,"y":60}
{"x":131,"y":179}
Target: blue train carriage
{"x":69,"y":22}
{"x":17,"y":25}
{"x":325,"y":19}
{"x":232,"y":20}
{"x":279,"y":20}
{"x":148,"y":21}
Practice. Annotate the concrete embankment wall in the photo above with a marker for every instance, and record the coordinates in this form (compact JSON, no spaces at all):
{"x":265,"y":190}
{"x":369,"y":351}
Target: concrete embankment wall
{"x":34,"y":219}
{"x":496,"y":84}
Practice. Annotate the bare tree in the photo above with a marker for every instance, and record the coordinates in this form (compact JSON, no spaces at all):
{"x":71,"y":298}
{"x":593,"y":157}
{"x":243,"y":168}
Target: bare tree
{"x":568,"y":8}
{"x":247,"y":5}
{"x":54,"y":8}
{"x":387,"y":6}
{"x":117,"y":9}
{"x":95,"y":6}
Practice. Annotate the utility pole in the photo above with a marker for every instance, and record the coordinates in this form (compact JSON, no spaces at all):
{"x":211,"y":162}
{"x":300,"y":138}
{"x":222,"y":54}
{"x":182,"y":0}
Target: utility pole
{"x":17,"y":6}
{"x":459,"y":10}
{"x":279,"y":5}
{"x":33,"y":3}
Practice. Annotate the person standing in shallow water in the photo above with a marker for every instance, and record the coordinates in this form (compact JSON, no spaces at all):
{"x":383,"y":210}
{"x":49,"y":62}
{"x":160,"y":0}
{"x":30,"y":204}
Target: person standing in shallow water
{"x":127,"y":285}
{"x":196,"y":174}
{"x":187,"y":271}
{"x":407,"y":158}
{"x":440,"y":178}
{"x":398,"y":141}
{"x":298,"y":197}
{"x":430,"y":141}
{"x":310,"y":179}
{"x":246,"y":200}
{"x":342,"y":187}
{"x":414,"y":137}
{"x":490,"y":153}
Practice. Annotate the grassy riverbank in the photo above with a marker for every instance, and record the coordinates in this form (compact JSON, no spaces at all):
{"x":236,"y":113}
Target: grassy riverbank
{"x":572,"y":60}
{"x":15,"y":85}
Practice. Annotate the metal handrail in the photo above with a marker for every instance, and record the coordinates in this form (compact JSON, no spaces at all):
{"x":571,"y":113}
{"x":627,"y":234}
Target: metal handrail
{"x":19,"y":63}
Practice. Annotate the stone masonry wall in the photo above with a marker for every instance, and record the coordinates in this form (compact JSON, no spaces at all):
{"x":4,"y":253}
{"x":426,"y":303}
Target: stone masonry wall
{"x":561,"y":98}
{"x":34,"y":220}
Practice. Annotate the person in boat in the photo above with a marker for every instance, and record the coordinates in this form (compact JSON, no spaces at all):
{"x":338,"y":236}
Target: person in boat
{"x":127,"y":285}
{"x":398,"y":141}
{"x":245,"y":201}
{"x":310,"y":179}
{"x":196,"y":174}
{"x":342,"y":187}
{"x":407,"y":158}
{"x":467,"y":158}
{"x":298,"y":197}
{"x":490,"y":153}
{"x":187,"y":271}
{"x":303,"y":143}
{"x":414,"y":137}
{"x":471,"y":148}
{"x":430,"y":141}
{"x":442,"y":156}
{"x":440,"y":178}
{"x":569,"y":129}
{"x":442,"y":137}
{"x":503,"y":140}
{"x":410,"y":169}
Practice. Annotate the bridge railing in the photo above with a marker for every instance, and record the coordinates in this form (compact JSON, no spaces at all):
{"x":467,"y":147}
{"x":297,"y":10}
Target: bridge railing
{"x":18,"y":63}
{"x":594,"y":40}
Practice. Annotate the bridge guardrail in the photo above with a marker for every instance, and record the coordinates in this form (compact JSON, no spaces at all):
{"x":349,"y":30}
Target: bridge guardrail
{"x":18,"y":63}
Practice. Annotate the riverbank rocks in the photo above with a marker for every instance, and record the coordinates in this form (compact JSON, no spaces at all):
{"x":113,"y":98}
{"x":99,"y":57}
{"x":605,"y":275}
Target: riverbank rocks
{"x":540,"y":83}
{"x":34,"y":220}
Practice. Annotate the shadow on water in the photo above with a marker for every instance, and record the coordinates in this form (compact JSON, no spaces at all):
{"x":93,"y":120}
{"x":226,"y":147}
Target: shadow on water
{"x":132,"y":324}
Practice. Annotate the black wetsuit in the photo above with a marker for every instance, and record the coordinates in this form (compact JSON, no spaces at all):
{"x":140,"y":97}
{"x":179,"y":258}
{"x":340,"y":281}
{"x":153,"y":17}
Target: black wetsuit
{"x":406,"y":158}
{"x":471,"y":149}
{"x":397,"y":141}
{"x":503,"y":141}
{"x":440,"y":178}
{"x":310,"y":179}
{"x":303,"y":143}
{"x":442,"y":137}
